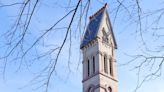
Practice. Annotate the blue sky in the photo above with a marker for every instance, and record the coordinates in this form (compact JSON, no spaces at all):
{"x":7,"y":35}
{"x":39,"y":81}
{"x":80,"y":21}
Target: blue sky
{"x":47,"y":13}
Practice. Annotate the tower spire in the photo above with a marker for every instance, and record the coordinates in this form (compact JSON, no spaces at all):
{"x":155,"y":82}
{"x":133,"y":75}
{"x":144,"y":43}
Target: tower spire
{"x":99,"y":11}
{"x":98,"y":47}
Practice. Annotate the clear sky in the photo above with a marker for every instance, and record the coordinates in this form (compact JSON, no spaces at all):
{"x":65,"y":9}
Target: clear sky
{"x":47,"y":13}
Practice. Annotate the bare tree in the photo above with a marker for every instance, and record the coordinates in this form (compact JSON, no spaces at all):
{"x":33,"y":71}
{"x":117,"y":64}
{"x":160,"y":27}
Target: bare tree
{"x":148,"y":60}
{"x":21,"y":42}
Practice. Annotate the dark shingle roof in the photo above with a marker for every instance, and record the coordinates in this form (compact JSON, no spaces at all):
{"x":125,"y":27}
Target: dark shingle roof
{"x":93,"y":27}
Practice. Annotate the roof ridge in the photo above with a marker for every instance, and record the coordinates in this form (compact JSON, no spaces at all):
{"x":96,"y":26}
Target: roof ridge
{"x":100,"y":10}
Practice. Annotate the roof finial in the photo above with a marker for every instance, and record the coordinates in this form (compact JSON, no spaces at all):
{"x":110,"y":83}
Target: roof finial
{"x":98,"y":11}
{"x":105,"y":4}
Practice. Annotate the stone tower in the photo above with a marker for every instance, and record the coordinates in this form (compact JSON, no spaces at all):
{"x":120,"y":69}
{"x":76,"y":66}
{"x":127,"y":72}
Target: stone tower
{"x":98,"y":48}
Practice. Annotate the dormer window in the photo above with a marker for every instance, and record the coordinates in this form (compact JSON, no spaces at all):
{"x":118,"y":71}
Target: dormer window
{"x":105,"y":36}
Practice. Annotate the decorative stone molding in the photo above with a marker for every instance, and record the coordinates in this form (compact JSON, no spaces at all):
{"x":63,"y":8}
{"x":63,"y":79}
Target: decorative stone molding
{"x":106,"y":75}
{"x":90,"y":87}
{"x":101,"y":86}
{"x":97,"y":73}
{"x":90,"y":44}
{"x":88,"y":77}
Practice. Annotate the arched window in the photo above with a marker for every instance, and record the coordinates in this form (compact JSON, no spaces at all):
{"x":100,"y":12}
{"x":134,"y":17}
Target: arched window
{"x":105,"y":64}
{"x":105,"y":36}
{"x":111,"y":66}
{"x":93,"y":64}
{"x":90,"y":89}
{"x":88,"y":68}
{"x":112,"y":52}
{"x":109,"y":89}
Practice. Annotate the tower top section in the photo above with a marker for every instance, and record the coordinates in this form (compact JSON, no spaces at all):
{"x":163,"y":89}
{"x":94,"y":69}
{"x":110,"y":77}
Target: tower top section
{"x":94,"y":26}
{"x":99,"y":11}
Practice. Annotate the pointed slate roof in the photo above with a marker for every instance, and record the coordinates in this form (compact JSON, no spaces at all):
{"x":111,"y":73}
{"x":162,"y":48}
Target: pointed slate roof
{"x":93,"y":27}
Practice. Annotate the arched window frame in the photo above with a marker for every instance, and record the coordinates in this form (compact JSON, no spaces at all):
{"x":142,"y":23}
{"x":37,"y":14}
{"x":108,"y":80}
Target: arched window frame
{"x":112,"y":52}
{"x":93,"y":64}
{"x":111,"y":66}
{"x":105,"y":36}
{"x":90,"y":89}
{"x":109,"y":89}
{"x":88,"y":67}
{"x":105,"y":64}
